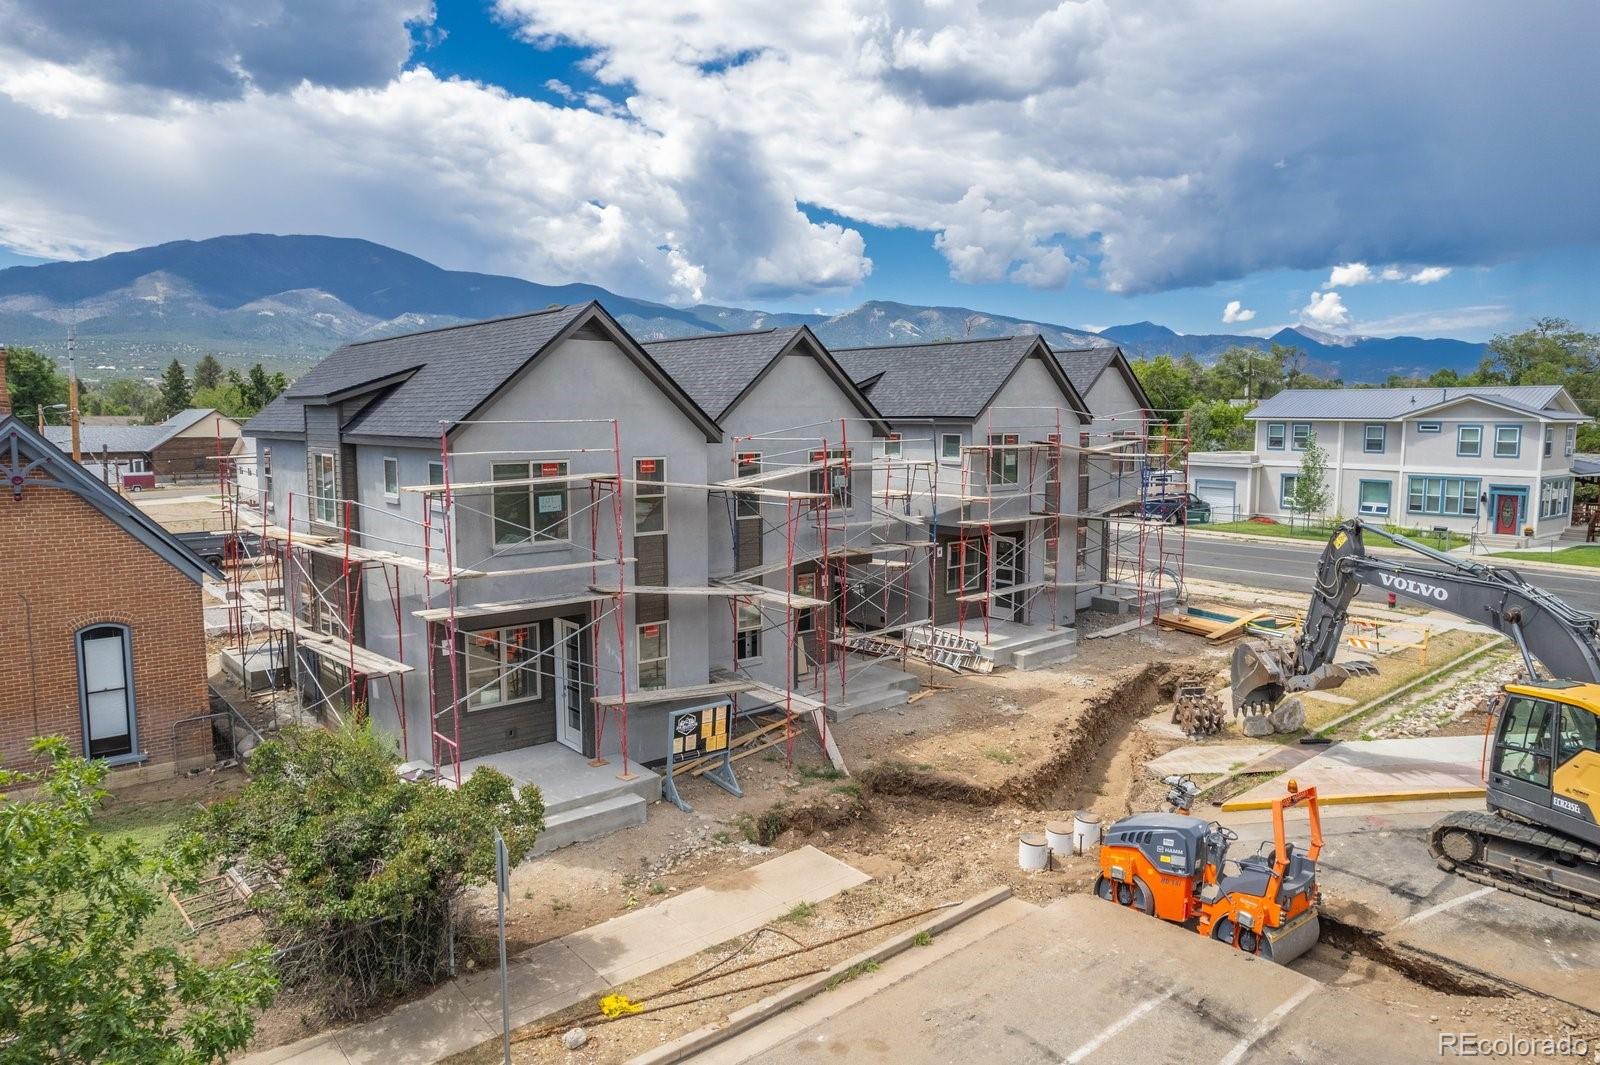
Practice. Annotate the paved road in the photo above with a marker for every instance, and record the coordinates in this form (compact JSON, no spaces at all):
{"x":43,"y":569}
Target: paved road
{"x":1290,"y":567}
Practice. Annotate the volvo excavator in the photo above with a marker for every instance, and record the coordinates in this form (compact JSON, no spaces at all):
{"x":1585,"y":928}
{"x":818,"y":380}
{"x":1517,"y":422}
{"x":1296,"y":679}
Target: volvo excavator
{"x":1540,"y":836}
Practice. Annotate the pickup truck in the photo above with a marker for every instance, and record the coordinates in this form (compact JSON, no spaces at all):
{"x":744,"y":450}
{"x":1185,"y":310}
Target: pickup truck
{"x":213,"y":546}
{"x":1187,"y":509}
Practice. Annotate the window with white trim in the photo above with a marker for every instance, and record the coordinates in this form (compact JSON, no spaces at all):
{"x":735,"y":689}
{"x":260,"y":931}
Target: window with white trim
{"x":1555,"y":497}
{"x":805,"y":584}
{"x":1507,"y":441}
{"x":1549,"y":441}
{"x":1469,"y":441}
{"x":324,"y":488}
{"x":105,"y":684}
{"x":653,"y":653}
{"x":949,"y":447}
{"x":266,"y":480}
{"x":649,"y":497}
{"x":1449,"y":496}
{"x":391,"y":478}
{"x":747,"y":638}
{"x":747,"y":505}
{"x":955,"y":561}
{"x":891,"y":446}
{"x":1287,"y":483}
{"x":1275,"y":436}
{"x":1375,"y":439}
{"x":1004,"y":460}
{"x":833,"y":476}
{"x":1300,"y":436}
{"x":138,"y":466}
{"x":512,"y":504}
{"x":550,"y":503}
{"x":502,"y":665}
{"x":1572,"y":441}
{"x":1376,"y":497}
{"x":436,"y":480}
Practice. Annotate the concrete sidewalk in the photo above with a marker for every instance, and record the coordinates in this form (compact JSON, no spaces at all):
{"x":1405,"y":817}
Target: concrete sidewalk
{"x":558,"y":973}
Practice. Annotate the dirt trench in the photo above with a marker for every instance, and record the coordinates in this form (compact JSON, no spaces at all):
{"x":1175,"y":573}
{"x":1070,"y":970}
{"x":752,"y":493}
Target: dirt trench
{"x":1081,"y":749}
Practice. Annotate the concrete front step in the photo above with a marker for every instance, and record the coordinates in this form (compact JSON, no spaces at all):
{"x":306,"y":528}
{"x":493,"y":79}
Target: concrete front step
{"x":863,"y":701}
{"x":591,"y":821}
{"x":1042,"y":654}
{"x":645,"y":785}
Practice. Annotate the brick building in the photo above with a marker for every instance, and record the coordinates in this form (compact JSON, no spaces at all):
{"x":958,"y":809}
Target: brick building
{"x":100,"y":616}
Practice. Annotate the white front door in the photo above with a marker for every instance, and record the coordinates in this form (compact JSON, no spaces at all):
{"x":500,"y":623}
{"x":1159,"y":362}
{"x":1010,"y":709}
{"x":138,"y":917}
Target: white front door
{"x":569,"y":683}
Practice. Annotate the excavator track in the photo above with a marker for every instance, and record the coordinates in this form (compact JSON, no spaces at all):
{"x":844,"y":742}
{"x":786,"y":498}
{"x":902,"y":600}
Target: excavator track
{"x":1476,"y":846}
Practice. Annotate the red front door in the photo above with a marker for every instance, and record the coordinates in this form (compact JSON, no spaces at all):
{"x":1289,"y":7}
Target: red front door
{"x":1505,"y":515}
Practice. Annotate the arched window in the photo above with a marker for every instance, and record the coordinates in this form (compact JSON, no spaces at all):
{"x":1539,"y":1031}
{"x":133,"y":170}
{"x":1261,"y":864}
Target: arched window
{"x":105,"y":693}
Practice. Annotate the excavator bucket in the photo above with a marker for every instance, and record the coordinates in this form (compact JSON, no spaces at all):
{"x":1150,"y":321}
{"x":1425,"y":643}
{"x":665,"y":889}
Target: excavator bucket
{"x":1263,"y":674}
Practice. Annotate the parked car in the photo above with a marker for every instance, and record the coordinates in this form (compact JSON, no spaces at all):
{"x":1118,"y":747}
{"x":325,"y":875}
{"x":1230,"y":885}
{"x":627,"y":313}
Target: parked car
{"x":213,"y":546}
{"x":1187,"y":509}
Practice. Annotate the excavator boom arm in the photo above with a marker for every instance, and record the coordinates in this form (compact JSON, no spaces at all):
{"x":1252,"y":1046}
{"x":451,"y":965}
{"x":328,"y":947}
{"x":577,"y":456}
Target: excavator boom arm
{"x":1565,"y":640}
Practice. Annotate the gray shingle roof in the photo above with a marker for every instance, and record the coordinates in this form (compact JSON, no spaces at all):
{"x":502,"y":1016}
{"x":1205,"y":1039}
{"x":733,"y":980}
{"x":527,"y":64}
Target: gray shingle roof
{"x":946,"y":379}
{"x":1382,"y":404}
{"x":716,"y":369}
{"x":443,"y":375}
{"x":1083,"y":366}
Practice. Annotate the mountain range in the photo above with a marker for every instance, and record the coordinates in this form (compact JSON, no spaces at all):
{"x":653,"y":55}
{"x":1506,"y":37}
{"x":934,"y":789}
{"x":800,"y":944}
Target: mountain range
{"x":295,"y":298}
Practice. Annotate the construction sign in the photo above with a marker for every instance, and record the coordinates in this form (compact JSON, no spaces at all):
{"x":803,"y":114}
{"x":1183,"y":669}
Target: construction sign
{"x":700,"y":734}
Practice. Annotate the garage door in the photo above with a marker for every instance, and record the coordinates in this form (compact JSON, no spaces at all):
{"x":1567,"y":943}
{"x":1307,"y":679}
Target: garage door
{"x":1219,"y":494}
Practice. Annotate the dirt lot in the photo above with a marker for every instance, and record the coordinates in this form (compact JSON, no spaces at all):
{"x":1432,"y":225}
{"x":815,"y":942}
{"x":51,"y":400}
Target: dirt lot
{"x":939,"y":792}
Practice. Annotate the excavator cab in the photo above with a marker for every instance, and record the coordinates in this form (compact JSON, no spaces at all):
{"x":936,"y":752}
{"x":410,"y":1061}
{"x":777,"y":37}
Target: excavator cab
{"x":1545,"y":761}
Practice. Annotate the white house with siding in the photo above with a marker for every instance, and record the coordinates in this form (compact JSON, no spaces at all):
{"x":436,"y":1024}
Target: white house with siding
{"x":1491,"y":461}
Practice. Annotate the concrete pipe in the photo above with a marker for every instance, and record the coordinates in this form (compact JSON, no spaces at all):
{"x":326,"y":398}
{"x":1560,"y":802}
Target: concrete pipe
{"x":1085,"y":832}
{"x":1032,"y":853}
{"x":1058,"y":836}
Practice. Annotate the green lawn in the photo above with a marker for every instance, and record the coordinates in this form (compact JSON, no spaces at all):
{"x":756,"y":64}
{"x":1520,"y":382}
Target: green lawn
{"x":148,"y":823}
{"x":1319,"y":533}
{"x":1582,"y":555}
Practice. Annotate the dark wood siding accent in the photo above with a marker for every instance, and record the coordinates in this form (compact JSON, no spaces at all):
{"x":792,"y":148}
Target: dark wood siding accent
{"x":503,"y":728}
{"x":747,"y":546}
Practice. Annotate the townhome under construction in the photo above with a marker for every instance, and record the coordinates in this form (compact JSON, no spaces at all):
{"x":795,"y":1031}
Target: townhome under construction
{"x":538,"y":544}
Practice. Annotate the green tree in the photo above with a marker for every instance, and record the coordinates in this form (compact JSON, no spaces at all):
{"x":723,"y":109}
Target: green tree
{"x":363,"y":864}
{"x":227,"y":398}
{"x":1219,"y":426}
{"x":123,"y":395}
{"x":77,"y":983}
{"x":261,"y":387}
{"x":1172,"y":384}
{"x":33,"y":381}
{"x":207,"y":372}
{"x":1246,"y":373}
{"x":1553,"y":352}
{"x":175,"y":391}
{"x":1310,"y":496}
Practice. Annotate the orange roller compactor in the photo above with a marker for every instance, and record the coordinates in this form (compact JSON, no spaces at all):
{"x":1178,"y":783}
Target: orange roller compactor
{"x":1175,"y":867}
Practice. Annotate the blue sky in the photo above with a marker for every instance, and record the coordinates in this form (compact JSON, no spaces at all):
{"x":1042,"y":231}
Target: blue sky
{"x":1348,"y":169}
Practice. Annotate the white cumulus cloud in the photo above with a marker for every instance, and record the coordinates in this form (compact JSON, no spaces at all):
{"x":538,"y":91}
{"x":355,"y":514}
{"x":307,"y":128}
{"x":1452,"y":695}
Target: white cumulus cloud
{"x":1429,"y":274}
{"x":1349,"y":274}
{"x":1325,"y":311}
{"x":1236,"y":312}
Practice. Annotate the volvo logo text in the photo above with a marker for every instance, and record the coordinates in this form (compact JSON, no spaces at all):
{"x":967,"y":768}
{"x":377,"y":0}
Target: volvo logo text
{"x":1414,"y":587}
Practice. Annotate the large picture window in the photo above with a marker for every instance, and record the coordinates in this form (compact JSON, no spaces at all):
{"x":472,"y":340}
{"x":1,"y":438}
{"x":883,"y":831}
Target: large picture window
{"x":502,"y":666}
{"x":1375,"y":497}
{"x":1450,"y":496}
{"x":649,"y":497}
{"x":105,"y":687}
{"x":1555,"y":497}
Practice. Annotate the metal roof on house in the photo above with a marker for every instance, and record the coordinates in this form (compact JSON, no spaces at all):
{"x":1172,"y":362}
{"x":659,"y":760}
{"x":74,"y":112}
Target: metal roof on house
{"x":944,"y":379}
{"x":440,"y":375}
{"x":18,"y":439}
{"x":125,"y":438}
{"x":1384,"y":404}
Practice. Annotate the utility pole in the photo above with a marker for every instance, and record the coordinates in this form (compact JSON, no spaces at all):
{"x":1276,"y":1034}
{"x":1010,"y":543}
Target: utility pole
{"x":72,"y":385}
